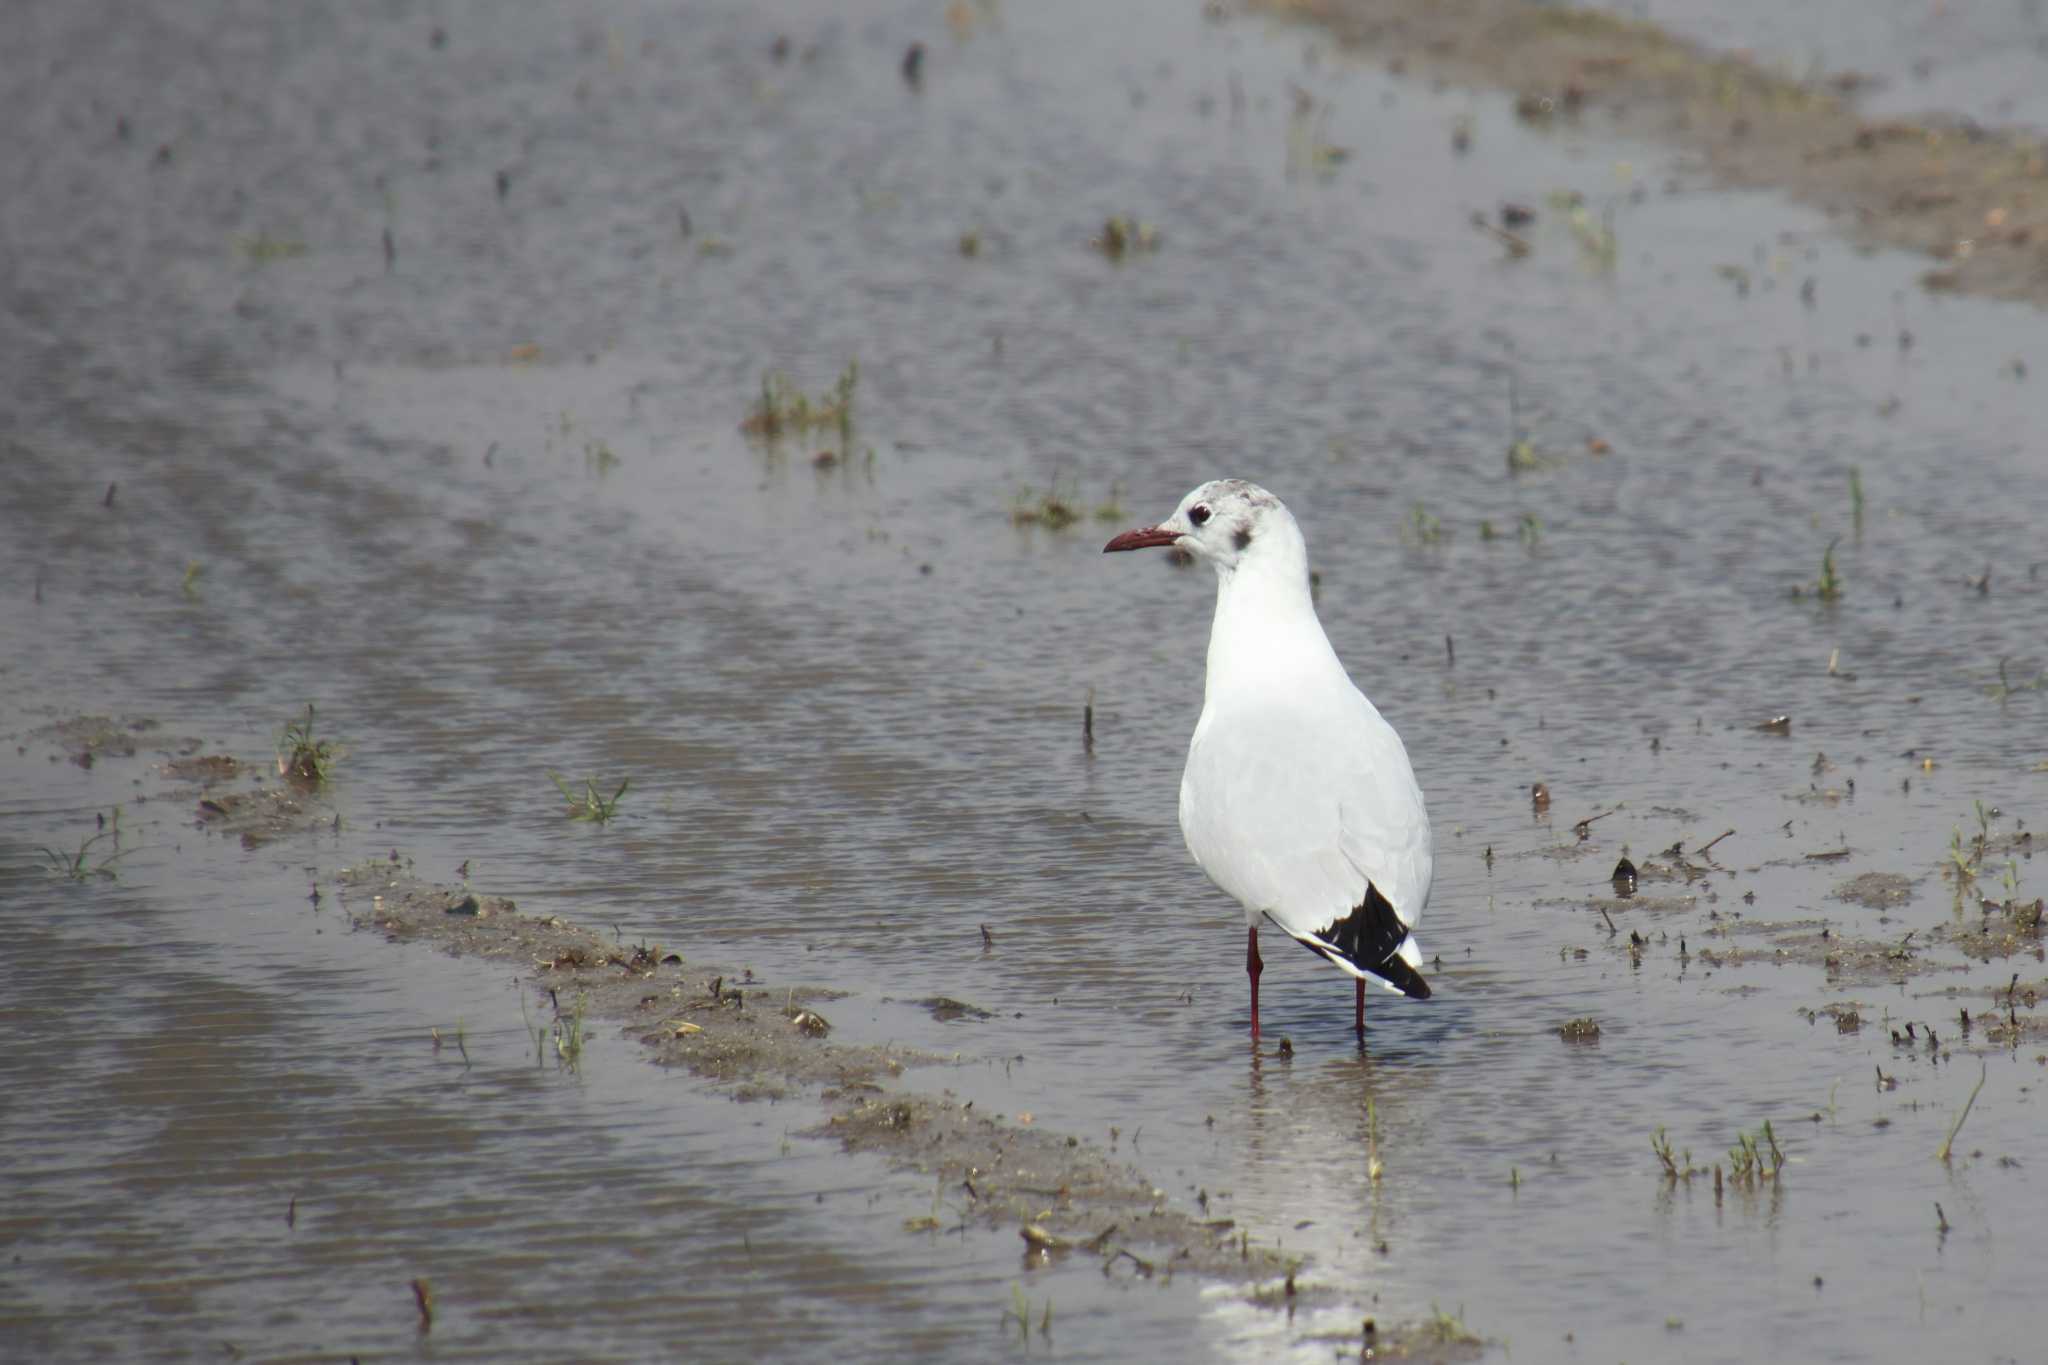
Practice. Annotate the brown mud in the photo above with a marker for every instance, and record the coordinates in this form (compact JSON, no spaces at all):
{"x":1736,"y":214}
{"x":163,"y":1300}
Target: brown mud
{"x":1974,"y":200}
{"x":247,"y":800}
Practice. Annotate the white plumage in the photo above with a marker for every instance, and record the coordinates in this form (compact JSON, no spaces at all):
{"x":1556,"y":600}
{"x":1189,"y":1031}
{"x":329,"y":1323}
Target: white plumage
{"x":1298,"y":798}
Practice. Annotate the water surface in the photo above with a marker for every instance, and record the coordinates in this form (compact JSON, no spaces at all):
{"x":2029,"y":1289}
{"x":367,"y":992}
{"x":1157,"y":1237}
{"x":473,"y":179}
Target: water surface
{"x":486,"y":502}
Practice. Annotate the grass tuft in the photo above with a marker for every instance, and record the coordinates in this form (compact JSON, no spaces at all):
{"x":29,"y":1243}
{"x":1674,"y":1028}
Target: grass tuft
{"x":1755,"y":1157}
{"x":302,"y":756}
{"x":1061,"y":505}
{"x":1676,"y":1168}
{"x":591,"y":804}
{"x":262,"y":248}
{"x":1422,"y":527}
{"x":1123,"y":236}
{"x":1448,"y":1329}
{"x":570,"y":1032}
{"x":1111,"y":508}
{"x":84,"y":865}
{"x":1943,"y":1155}
{"x":783,"y":409}
{"x":2005,"y":688}
{"x":1595,"y":237}
{"x":1829,"y":586}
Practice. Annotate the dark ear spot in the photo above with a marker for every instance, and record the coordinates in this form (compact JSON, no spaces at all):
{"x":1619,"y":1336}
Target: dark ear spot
{"x":1242,"y":538}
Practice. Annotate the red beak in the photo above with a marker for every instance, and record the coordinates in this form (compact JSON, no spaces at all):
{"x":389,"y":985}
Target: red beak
{"x":1144,"y":538}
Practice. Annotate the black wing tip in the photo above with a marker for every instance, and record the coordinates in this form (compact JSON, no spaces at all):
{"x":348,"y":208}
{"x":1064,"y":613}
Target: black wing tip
{"x":1370,"y":938}
{"x":1404,"y":976}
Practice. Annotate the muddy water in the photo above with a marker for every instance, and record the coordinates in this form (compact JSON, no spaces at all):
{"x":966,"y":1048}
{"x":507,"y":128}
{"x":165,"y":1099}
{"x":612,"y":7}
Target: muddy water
{"x":486,"y":503}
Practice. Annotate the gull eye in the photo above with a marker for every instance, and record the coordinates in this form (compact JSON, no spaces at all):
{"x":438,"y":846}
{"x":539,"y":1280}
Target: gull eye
{"x":1199,"y":514}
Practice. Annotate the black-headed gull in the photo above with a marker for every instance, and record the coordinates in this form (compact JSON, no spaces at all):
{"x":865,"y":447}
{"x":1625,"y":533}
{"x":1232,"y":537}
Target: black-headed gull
{"x":1298,"y":798}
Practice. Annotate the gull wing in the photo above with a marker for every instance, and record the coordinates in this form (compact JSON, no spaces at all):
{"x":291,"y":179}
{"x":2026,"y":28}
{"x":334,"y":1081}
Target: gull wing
{"x":1296,"y":810}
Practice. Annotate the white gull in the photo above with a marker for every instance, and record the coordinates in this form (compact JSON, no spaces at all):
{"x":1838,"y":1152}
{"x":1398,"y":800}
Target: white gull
{"x":1298,"y":798}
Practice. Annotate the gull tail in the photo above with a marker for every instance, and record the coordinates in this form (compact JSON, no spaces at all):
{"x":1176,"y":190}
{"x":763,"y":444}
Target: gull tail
{"x":1370,"y":941}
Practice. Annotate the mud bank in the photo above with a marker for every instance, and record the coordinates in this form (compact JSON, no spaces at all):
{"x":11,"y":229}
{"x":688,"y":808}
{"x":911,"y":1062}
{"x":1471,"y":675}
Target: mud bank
{"x":1973,"y":199}
{"x":762,"y":1040}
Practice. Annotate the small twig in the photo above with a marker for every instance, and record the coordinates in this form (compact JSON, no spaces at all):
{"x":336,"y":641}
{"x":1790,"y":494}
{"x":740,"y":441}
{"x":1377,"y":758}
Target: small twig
{"x":1585,"y":826}
{"x":1943,"y":1154}
{"x":1611,"y":930}
{"x":1515,"y":246}
{"x":1708,"y":846}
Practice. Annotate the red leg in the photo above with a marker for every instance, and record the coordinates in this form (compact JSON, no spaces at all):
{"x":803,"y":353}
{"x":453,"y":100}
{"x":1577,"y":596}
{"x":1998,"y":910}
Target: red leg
{"x":1253,"y":966}
{"x":1358,"y":1014}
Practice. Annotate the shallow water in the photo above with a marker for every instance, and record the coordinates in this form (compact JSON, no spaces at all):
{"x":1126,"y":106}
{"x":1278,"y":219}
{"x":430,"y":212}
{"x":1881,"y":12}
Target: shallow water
{"x":849,"y":698}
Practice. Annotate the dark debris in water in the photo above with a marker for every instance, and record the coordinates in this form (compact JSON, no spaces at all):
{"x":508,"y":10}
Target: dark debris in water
{"x":86,"y":739}
{"x":2001,"y":930}
{"x":1877,"y":890}
{"x":259,"y":816}
{"x":945,"y":1008}
{"x":206,"y":769}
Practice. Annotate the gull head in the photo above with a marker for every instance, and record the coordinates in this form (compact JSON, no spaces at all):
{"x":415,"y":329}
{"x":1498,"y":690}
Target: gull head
{"x":1225,"y":521}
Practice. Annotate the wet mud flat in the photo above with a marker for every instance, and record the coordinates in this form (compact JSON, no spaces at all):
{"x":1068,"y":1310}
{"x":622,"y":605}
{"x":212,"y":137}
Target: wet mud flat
{"x":1972,"y":198}
{"x":254,"y":802}
{"x":1886,"y":929}
{"x":1069,"y":1203}
{"x":759,"y":1040}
